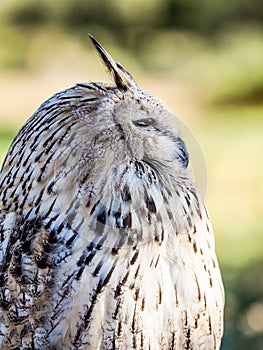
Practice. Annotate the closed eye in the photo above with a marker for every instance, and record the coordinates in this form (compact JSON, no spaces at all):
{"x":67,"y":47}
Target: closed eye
{"x":147,"y":123}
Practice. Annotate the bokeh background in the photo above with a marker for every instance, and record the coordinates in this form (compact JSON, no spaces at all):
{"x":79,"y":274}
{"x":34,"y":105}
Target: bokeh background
{"x":205,"y":59}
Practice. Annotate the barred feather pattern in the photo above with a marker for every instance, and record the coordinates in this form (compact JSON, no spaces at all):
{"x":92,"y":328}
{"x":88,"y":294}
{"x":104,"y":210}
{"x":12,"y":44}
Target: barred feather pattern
{"x":104,"y":241}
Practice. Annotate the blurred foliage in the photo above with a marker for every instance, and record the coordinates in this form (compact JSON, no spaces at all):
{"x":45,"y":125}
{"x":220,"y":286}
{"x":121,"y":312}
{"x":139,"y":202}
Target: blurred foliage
{"x":204,"y":16}
{"x":213,"y":47}
{"x":202,"y":30}
{"x":243,"y":297}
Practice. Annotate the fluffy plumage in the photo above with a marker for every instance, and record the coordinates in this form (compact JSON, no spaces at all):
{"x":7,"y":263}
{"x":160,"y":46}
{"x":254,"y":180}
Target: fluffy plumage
{"x":105,"y":242}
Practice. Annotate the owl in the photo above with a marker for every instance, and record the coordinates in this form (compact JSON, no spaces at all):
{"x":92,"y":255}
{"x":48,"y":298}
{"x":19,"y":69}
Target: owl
{"x":105,"y":242}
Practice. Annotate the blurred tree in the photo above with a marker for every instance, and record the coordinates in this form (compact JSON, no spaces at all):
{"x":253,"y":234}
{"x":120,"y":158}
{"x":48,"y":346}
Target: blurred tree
{"x":205,"y":16}
{"x":27,"y":13}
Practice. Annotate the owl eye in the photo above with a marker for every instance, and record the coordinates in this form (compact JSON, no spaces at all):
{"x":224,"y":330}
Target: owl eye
{"x":144,"y":123}
{"x":182,"y":153}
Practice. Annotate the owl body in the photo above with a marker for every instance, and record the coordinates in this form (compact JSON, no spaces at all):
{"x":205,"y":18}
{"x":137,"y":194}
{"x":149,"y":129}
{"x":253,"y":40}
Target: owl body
{"x":105,"y":242}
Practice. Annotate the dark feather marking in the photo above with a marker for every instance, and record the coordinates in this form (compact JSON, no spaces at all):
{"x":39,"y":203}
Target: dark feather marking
{"x":137,"y":271}
{"x":97,"y":269}
{"x":25,"y":195}
{"x":71,"y":97}
{"x":49,"y":210}
{"x":127,"y":221}
{"x":134,"y":319}
{"x":94,"y":207}
{"x":50,"y":138}
{"x":114,"y":341}
{"x":47,"y":225}
{"x":99,"y":87}
{"x":198,"y":289}
{"x":47,"y":128}
{"x":37,"y":202}
{"x":134,"y":258}
{"x":210,"y":325}
{"x":172,"y":346}
{"x":100,"y":243}
{"x":117,"y":295}
{"x":15,"y":265}
{"x":136,"y":294}
{"x":210,"y":281}
{"x":83,"y":181}
{"x":15,"y":202}
{"x":195,"y":247}
{"x":89,"y":86}
{"x":25,"y":233}
{"x":50,"y":187}
{"x":157,"y":261}
{"x":150,"y":205}
{"x":28,"y":214}
{"x":214,"y":264}
{"x":101,"y":220}
{"x":142,"y":341}
{"x":162,"y":235}
{"x":43,"y":168}
{"x":61,"y":137}
{"x":119,"y":330}
{"x":170,"y":215}
{"x":85,"y":100}
{"x":79,"y":273}
{"x":187,"y":198}
{"x":92,"y":249}
{"x":52,"y":238}
{"x":117,"y":308}
{"x":188,"y":218}
{"x":75,"y":234}
{"x":125,"y":193}
{"x":118,"y":220}
{"x":115,"y":250}
{"x":87,"y":317}
{"x":196,"y":321}
{"x":160,"y":294}
{"x":28,"y":181}
{"x":188,"y":339}
{"x":8,"y":186}
{"x":42,"y":261}
{"x":176,"y":298}
{"x":134,"y":342}
{"x":60,"y":227}
{"x":71,"y":239}
{"x":90,"y":257}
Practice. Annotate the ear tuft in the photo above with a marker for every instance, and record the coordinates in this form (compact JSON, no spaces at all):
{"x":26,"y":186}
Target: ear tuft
{"x":122,"y":78}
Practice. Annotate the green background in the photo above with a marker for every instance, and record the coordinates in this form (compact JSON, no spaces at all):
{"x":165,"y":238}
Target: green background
{"x":205,"y":59}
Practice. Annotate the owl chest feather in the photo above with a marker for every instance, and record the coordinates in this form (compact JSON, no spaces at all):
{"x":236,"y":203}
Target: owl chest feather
{"x":125,"y":264}
{"x":143,"y":276}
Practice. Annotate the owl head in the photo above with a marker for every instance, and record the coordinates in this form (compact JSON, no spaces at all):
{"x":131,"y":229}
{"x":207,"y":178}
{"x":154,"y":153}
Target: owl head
{"x":102,"y":143}
{"x":145,"y":124}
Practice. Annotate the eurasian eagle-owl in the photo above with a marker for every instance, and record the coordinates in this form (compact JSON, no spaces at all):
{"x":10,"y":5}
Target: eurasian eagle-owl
{"x":105,"y":242}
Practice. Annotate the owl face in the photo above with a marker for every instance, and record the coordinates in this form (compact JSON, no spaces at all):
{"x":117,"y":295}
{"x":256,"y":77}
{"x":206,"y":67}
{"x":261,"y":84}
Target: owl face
{"x":122,"y":127}
{"x":150,"y":132}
